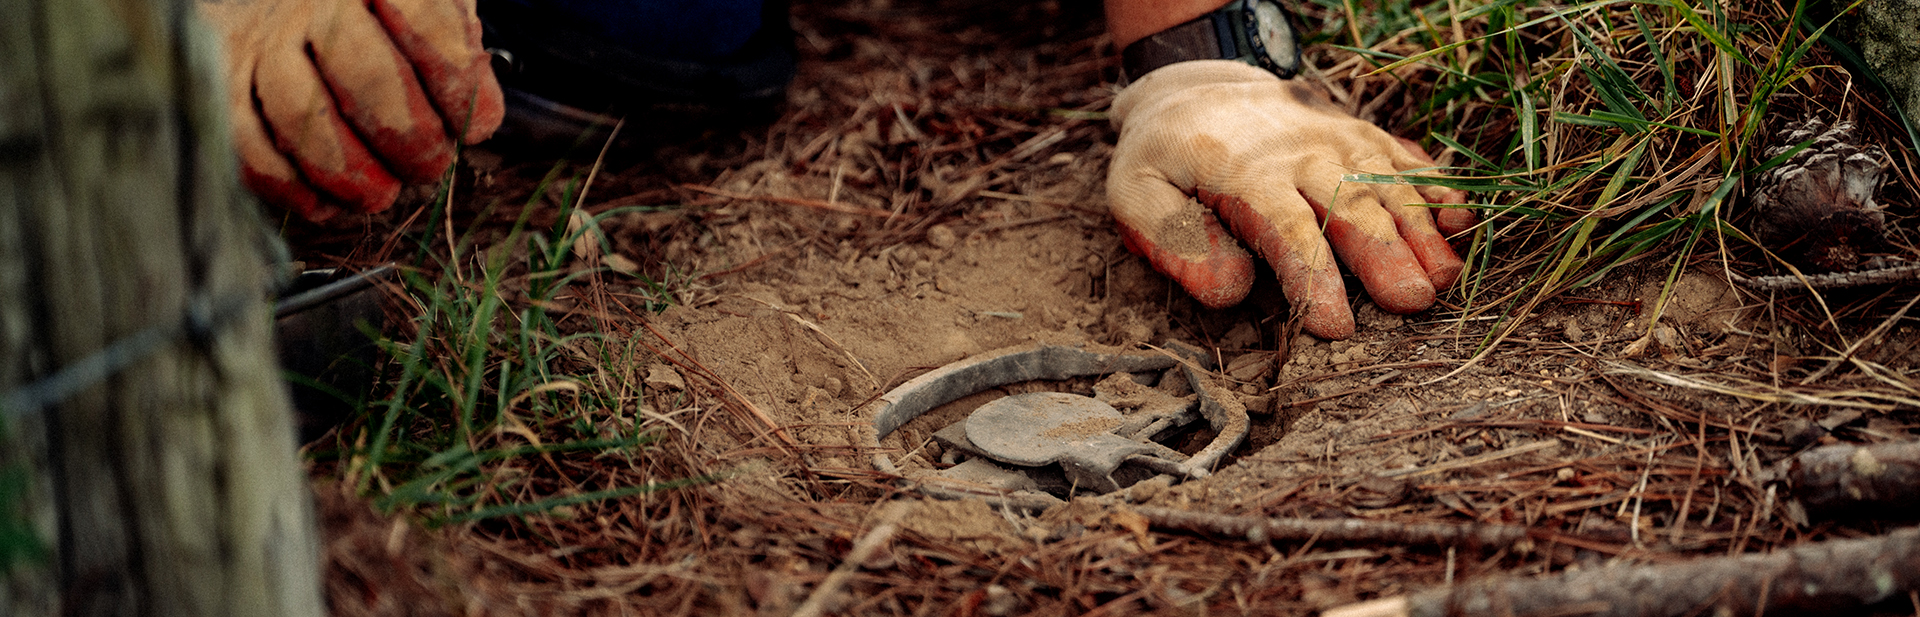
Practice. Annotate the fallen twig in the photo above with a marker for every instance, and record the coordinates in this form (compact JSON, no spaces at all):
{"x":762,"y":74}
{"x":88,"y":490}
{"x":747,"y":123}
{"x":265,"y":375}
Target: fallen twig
{"x":970,"y":183}
{"x":1767,"y":393}
{"x":1831,"y":280}
{"x":742,"y":405}
{"x":863,"y":550}
{"x":1583,"y":427}
{"x":1262,"y":529}
{"x":1864,"y":341}
{"x":1044,"y":202}
{"x":1022,"y":222}
{"x":1473,"y":460}
{"x":792,"y":201}
{"x":1856,"y":479}
{"x":1817,"y":578}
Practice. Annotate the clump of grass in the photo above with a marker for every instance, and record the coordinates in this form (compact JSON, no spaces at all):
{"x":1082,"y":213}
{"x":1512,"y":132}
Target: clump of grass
{"x":495,"y":409}
{"x":1599,"y":134}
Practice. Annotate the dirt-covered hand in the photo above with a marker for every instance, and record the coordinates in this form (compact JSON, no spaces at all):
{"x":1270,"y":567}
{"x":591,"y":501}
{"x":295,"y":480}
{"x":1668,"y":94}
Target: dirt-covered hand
{"x":1267,"y":156}
{"x":334,"y":102}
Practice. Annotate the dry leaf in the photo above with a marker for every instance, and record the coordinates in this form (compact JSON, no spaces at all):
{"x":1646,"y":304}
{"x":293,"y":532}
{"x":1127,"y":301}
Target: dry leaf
{"x":620,"y":263}
{"x":586,"y":237}
{"x":1637,"y":347}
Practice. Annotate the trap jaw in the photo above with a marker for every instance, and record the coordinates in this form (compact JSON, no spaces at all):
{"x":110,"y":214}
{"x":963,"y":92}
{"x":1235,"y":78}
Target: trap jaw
{"x":1012,"y":443}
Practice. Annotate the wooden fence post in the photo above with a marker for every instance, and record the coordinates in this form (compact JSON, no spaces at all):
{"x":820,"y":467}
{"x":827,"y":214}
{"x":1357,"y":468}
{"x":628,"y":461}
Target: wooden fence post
{"x":170,"y":486}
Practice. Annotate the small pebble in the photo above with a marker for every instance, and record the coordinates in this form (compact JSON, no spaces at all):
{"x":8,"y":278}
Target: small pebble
{"x":1000,"y":602}
{"x":941,"y":236}
{"x":1251,"y":367}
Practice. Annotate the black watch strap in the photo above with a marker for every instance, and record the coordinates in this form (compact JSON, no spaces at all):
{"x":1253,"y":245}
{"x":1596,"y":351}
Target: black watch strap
{"x":1228,"y":33}
{"x":1194,"y":40}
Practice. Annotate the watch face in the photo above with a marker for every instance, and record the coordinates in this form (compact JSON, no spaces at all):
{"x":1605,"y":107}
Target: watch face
{"x":1276,"y":37}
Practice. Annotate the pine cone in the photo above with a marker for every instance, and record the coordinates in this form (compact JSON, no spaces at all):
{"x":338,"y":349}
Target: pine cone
{"x":1817,"y":208}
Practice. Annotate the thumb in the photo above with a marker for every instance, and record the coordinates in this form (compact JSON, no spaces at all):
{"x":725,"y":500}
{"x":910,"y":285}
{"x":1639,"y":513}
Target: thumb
{"x":1183,"y":240}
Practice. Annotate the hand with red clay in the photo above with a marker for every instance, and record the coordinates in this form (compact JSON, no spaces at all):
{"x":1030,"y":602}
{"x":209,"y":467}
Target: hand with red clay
{"x":1266,"y":156}
{"x":336,"y":102}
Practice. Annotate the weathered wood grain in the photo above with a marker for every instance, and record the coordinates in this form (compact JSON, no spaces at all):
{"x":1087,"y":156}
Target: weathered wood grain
{"x":171,"y":488}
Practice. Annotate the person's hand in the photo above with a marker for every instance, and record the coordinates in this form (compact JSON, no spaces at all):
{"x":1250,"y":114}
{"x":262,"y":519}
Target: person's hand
{"x":334,"y":102}
{"x":1267,"y":156}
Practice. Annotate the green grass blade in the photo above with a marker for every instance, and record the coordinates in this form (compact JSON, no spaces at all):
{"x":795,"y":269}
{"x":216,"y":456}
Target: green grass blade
{"x":1670,"y":91}
{"x":1473,"y":185}
{"x":1490,"y":7}
{"x":1610,"y":82}
{"x":1620,"y":178}
{"x":1448,"y":48}
{"x":1708,"y":31}
{"x":1602,"y":119}
{"x":1641,"y":218}
{"x":409,"y":368}
{"x":1464,"y":151}
{"x":1529,"y":131}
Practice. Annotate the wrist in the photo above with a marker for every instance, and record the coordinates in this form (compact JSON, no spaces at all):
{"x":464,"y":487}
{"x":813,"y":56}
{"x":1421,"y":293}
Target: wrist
{"x":1132,"y":20}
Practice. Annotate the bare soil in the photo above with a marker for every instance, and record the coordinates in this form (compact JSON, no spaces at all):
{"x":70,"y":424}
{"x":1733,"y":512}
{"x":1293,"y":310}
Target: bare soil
{"x":930,"y":193}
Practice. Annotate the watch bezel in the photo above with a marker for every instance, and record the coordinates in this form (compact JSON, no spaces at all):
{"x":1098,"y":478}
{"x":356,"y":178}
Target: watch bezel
{"x":1257,"y":45}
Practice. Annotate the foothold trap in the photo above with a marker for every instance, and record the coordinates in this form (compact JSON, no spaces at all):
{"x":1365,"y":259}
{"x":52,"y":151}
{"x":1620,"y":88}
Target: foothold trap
{"x":1029,"y":450}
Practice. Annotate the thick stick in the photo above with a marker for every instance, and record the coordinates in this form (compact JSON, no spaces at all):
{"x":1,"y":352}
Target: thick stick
{"x":1813,"y":579}
{"x":863,"y":550}
{"x":1858,"y":480}
{"x":1260,"y":529}
{"x":1831,"y":280}
{"x":791,"y":201}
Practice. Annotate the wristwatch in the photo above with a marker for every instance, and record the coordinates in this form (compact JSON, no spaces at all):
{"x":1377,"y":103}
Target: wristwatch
{"x":1256,"y":32}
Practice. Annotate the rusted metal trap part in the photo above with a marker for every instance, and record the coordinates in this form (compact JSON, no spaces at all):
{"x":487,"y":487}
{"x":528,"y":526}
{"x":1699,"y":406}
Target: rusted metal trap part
{"x":1025,"y":450}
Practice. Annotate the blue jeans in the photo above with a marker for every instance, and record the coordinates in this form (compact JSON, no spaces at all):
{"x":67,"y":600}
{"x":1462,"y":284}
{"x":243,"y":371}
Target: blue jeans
{"x":598,"y":54}
{"x":699,"y":30}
